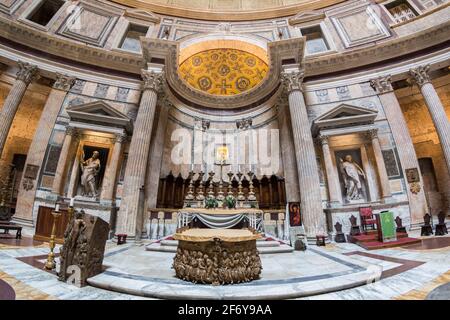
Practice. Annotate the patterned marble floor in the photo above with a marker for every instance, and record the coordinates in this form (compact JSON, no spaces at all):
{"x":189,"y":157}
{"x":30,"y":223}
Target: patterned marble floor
{"x":419,"y":272}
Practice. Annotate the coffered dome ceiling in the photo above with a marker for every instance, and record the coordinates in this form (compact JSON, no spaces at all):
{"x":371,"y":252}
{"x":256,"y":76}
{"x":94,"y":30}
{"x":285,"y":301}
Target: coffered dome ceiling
{"x":223,"y":10}
{"x":223,"y":71}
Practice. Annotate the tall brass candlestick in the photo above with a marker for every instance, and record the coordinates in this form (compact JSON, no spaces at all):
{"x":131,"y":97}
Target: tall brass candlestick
{"x":200,"y":194}
{"x":211,"y":185}
{"x":251,"y":193}
{"x":230,"y":183}
{"x":190,"y":194}
{"x":50,"y":264}
{"x":241,"y":196}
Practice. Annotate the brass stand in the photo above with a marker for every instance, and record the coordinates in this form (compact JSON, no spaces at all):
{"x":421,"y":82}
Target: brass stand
{"x":251,"y":193}
{"x":230,"y":183}
{"x":211,"y":185}
{"x":51,"y":264}
{"x":241,"y":196}
{"x":200,"y":194}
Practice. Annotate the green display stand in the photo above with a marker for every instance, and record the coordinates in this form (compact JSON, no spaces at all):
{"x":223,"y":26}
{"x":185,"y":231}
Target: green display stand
{"x":386,"y":227}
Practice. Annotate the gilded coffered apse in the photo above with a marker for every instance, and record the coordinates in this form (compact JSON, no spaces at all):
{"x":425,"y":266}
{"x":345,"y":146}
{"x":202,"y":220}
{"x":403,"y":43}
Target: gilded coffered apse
{"x":223,"y":71}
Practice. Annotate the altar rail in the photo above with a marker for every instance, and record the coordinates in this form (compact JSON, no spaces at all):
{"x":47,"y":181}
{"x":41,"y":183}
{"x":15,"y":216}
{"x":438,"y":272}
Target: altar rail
{"x":160,"y":223}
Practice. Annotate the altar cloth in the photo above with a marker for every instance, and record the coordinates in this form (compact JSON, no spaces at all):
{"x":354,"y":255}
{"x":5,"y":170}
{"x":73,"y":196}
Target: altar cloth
{"x":228,"y":235}
{"x":222,"y":218}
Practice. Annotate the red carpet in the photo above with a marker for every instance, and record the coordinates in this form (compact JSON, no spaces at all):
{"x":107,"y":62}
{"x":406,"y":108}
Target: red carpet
{"x":370,"y":241}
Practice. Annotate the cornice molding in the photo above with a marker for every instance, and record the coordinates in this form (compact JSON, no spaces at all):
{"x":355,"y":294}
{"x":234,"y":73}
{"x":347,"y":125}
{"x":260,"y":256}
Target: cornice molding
{"x":384,"y":50}
{"x":68,"y":49}
{"x":133,"y":64}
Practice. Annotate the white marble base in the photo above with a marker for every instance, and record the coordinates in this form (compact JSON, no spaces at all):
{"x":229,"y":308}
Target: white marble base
{"x":284,"y":276}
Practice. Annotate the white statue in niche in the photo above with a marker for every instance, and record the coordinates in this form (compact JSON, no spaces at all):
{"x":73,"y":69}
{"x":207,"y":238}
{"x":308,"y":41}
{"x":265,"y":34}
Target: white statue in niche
{"x":89,"y":172}
{"x":352,"y":174}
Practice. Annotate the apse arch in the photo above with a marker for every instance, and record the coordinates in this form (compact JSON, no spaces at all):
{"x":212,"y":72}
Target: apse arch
{"x":275,"y":54}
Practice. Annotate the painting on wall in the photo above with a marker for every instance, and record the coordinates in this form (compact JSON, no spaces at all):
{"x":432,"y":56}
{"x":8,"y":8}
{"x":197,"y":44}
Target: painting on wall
{"x":295,"y":218}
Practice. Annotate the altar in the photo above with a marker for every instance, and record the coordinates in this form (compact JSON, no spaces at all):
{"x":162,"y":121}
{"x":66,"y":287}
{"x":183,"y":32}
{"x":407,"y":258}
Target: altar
{"x":217,"y":256}
{"x":222,"y":218}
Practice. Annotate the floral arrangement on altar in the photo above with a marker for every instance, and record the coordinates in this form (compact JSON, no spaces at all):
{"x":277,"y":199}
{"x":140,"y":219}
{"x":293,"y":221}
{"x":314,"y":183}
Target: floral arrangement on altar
{"x":230,"y":201}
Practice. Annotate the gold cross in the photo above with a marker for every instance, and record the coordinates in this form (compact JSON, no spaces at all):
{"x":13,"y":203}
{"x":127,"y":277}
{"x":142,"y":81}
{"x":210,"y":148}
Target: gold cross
{"x":223,"y":87}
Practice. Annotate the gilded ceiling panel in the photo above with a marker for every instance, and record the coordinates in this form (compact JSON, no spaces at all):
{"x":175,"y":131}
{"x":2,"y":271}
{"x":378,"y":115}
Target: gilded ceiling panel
{"x":223,"y":71}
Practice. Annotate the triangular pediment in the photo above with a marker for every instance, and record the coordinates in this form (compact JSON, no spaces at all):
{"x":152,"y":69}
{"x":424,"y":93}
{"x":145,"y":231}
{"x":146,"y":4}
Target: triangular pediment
{"x":344,"y":115}
{"x":306,"y":16}
{"x":100,"y":113}
{"x":142,"y":15}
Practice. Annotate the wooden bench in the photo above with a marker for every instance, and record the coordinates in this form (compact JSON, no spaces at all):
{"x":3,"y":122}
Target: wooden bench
{"x":10,"y":226}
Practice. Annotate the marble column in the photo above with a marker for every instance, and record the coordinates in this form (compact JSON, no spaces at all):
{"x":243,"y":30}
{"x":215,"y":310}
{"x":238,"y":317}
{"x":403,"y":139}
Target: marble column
{"x":288,"y":156}
{"x":112,"y":170}
{"x":26,"y":74}
{"x":308,"y":172}
{"x":36,"y":152}
{"x":332,"y":178}
{"x":381,"y":166}
{"x":404,"y":144}
{"x":61,"y":170}
{"x":129,"y":217}
{"x":156,"y":155}
{"x":435,"y":107}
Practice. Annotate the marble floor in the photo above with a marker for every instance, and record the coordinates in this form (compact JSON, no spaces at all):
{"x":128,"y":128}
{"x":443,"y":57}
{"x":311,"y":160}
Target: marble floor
{"x":408,"y":273}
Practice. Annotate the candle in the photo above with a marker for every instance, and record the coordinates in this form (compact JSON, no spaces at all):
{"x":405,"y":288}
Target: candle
{"x":72,"y":201}
{"x":57,"y":207}
{"x":192,"y":167}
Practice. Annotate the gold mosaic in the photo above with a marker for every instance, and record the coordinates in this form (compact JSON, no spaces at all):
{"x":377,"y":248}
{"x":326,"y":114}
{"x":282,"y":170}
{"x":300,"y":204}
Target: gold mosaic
{"x":223,"y":71}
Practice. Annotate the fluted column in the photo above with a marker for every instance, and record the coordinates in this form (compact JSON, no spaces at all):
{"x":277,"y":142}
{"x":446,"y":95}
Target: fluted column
{"x":61,"y":169}
{"x":332,"y":178}
{"x":156,"y":153}
{"x":129,"y":219}
{"x":382,"y":172}
{"x":308,"y":172}
{"x":26,"y":74}
{"x":435,"y":107}
{"x":111,"y":172}
{"x":36,"y":152}
{"x":288,"y":155}
{"x":404,"y":144}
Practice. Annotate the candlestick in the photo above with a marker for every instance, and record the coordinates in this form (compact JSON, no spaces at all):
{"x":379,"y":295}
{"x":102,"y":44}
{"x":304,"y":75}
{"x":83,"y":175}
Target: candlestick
{"x":251,"y":193}
{"x":200,"y":195}
{"x":230,"y":183}
{"x":211,"y":185}
{"x":190,"y":194}
{"x":50,"y":264}
{"x":241,"y":196}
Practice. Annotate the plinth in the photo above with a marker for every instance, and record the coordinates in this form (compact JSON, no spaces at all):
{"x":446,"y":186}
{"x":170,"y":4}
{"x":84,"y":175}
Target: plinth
{"x":217,"y":256}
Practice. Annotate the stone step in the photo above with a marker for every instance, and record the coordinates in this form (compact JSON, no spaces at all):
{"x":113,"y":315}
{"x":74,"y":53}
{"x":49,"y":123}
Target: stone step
{"x":282,"y":248}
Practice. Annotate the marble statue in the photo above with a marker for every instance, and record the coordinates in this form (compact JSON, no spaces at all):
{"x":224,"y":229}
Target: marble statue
{"x":90,"y":169}
{"x":352,"y":174}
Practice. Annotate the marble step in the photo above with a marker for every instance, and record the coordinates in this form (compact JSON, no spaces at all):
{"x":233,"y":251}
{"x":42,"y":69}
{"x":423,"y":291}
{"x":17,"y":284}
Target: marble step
{"x":282,"y":248}
{"x":259,"y":244}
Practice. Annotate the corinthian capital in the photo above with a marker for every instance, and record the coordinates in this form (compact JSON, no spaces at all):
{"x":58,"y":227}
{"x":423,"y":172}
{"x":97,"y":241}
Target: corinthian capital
{"x":63,"y":82}
{"x":72,"y":131}
{"x":420,"y":75}
{"x":153,"y":80}
{"x":372,"y":134}
{"x":382,"y":84}
{"x":292,"y":81}
{"x":27,"y":72}
{"x":322,"y":140}
{"x":121,"y":138}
